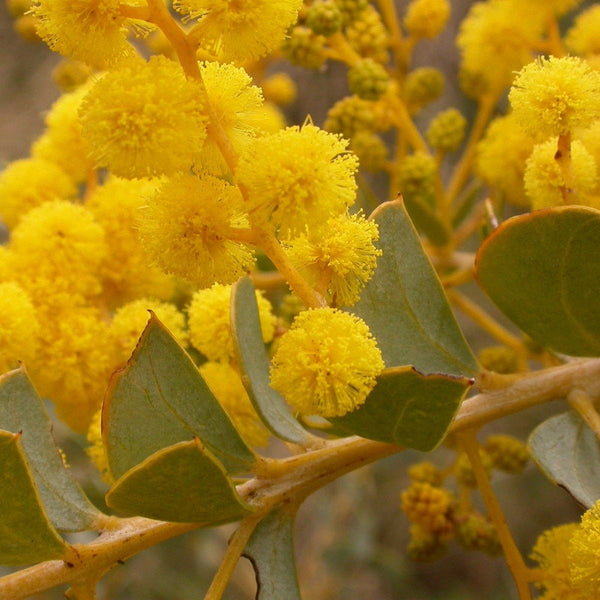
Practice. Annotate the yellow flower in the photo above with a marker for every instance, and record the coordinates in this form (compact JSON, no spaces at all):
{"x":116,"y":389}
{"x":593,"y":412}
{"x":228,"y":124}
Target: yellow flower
{"x":327,"y":363}
{"x":144,"y":119}
{"x":236,"y":30}
{"x":280,"y":88}
{"x":552,"y":96}
{"x":131,"y":318}
{"x":544,"y":177}
{"x":96,"y":450}
{"x":89,"y":30}
{"x":27,"y":183}
{"x":127,"y":272}
{"x":426,"y":18}
{"x":551,"y":553}
{"x":584,"y":555}
{"x":341,"y":256}
{"x":225,"y":383}
{"x":209,"y":322}
{"x":501,"y":157}
{"x":62,"y":143}
{"x":58,"y":247}
{"x":501,"y":34}
{"x":237,"y":107}
{"x":186,"y":227}
{"x":583,"y":37}
{"x":297,"y":177}
{"x":19,"y":327}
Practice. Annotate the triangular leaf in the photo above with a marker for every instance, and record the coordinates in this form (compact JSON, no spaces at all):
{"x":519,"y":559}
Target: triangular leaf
{"x":568,"y":452}
{"x":184,"y":483}
{"x":271,"y":551}
{"x":407,"y":409}
{"x":254,"y":365}
{"x":405,"y":306}
{"x":26,"y":534}
{"x":160,"y":399}
{"x":542,"y":270}
{"x":22,"y":410}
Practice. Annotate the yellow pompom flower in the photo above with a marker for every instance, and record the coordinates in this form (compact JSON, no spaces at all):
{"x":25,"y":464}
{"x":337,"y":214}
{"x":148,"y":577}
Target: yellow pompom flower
{"x":96,"y":450}
{"x":544,"y":177}
{"x":553,"y":96}
{"x":237,"y":107}
{"x":62,"y":143}
{"x":501,"y":157}
{"x":19,"y":327}
{"x":74,"y":363}
{"x":280,"y":88}
{"x":341,"y":257}
{"x":426,"y":18}
{"x":584,"y":554}
{"x":225,"y":383}
{"x":59,"y":248}
{"x":236,"y":30}
{"x":186,"y":228}
{"x":584,"y":36}
{"x":326,"y":363}
{"x":551,"y":553}
{"x":89,"y":30}
{"x":130,"y":320}
{"x":144,"y":119}
{"x":297,"y":177}
{"x":209,"y":322}
{"x":127,"y":272}
{"x":29,"y":182}
{"x":501,"y":34}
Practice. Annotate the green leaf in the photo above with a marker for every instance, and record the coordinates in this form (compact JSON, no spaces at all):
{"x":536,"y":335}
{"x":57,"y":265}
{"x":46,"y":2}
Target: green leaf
{"x":427,"y":220}
{"x":542,"y":270}
{"x":184,"y":483}
{"x":160,"y":399}
{"x":567,"y":451}
{"x":407,"y":409}
{"x":270,"y":549}
{"x":254,"y":365}
{"x":26,"y":534}
{"x":405,"y":306}
{"x":22,"y":410}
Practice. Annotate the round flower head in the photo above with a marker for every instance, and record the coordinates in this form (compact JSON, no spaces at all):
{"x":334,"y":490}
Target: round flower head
{"x":342,"y":254}
{"x":89,"y":30}
{"x":236,"y":30}
{"x":550,"y":552}
{"x":59,"y":248}
{"x":583,"y":37}
{"x":210,"y":324}
{"x":62,"y":143}
{"x":96,"y":450}
{"x":144,"y":119}
{"x":544,"y":177}
{"x":225,"y":383}
{"x":131,"y":318}
{"x":186,"y":226}
{"x":368,"y":36}
{"x":584,"y":559}
{"x":280,"y":89}
{"x":327,"y":363}
{"x":501,"y":158}
{"x":297,"y":177}
{"x":552,"y":96}
{"x":19,"y":327}
{"x":501,"y":34}
{"x":29,"y":182}
{"x":127,"y":272}
{"x":237,"y":107}
{"x":426,"y":18}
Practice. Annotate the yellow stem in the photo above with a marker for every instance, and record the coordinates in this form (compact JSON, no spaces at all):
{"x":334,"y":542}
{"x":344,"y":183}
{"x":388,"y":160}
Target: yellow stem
{"x":463,"y":168}
{"x":514,"y":559}
{"x":269,"y":244}
{"x":340,"y":49}
{"x":563,"y":159}
{"x":389,"y":13}
{"x":400,"y":116}
{"x":456,"y":278}
{"x":232,"y":556}
{"x":487,"y":323}
{"x":141,"y":13}
{"x":582,"y":403}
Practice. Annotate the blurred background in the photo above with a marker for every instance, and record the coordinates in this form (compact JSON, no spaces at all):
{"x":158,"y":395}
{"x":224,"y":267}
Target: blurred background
{"x":351,"y":537}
